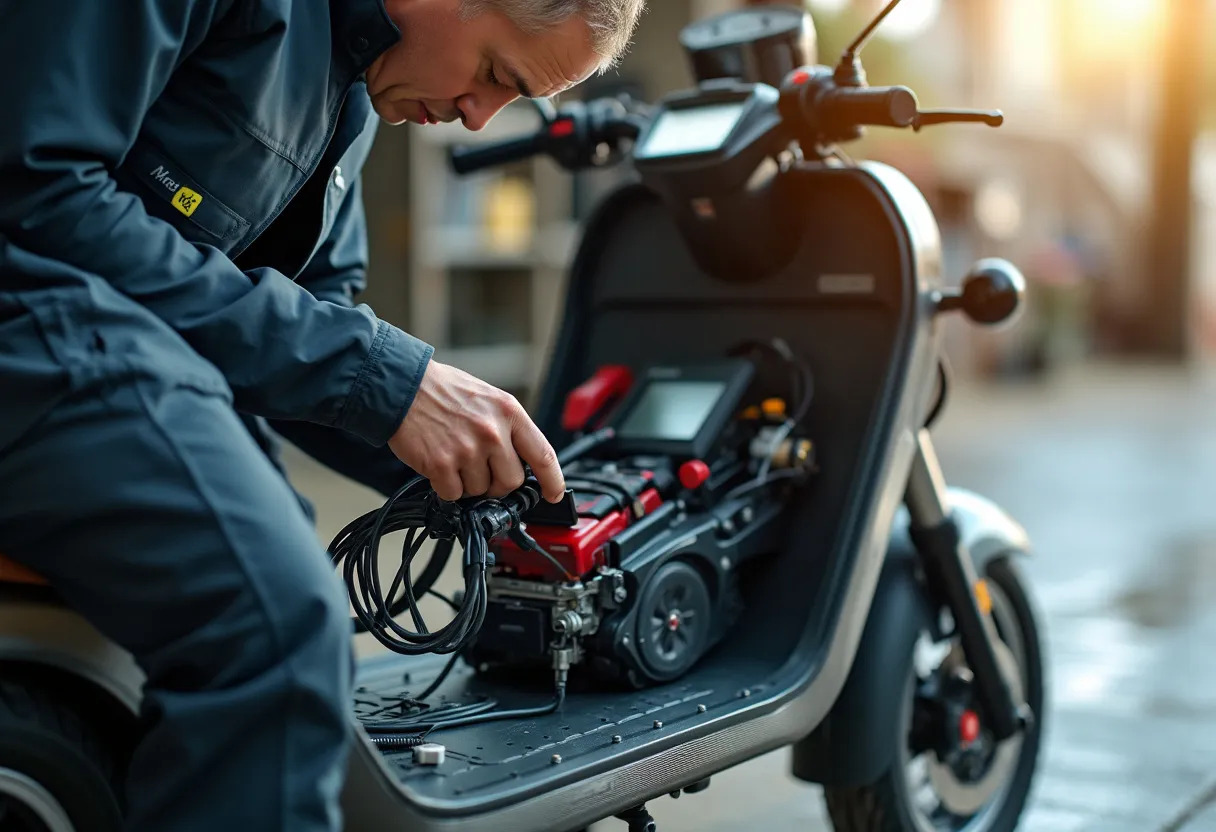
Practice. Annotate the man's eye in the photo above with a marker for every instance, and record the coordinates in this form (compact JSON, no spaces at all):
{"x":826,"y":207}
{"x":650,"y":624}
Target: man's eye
{"x":493,"y":78}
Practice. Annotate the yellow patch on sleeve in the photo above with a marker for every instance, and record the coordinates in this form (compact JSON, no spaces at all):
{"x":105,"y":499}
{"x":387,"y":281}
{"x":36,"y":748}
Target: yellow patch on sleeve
{"x":186,"y":200}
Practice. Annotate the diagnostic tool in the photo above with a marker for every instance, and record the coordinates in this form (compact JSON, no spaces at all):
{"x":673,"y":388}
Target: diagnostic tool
{"x":681,"y":411}
{"x":633,"y":575}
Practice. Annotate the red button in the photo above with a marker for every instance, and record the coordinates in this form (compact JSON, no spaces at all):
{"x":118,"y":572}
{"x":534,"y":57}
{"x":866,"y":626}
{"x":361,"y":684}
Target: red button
{"x":799,"y":76}
{"x":561,"y":127}
{"x":693,"y":474}
{"x":969,"y":727}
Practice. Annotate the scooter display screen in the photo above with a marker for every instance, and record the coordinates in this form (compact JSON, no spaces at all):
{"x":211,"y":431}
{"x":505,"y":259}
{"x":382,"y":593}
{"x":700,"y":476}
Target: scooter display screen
{"x":692,"y":130}
{"x":672,"y":410}
{"x":680,"y":410}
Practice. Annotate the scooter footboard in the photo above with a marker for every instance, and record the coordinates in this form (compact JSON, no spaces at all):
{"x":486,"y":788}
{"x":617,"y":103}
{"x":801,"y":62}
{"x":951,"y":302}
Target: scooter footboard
{"x":855,"y":744}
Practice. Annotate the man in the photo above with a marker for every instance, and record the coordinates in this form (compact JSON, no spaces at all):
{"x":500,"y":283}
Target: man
{"x":180,"y":235}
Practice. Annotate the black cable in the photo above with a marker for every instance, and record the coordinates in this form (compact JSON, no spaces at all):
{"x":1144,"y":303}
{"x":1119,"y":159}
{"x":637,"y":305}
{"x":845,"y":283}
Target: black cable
{"x":494,"y":716}
{"x":769,"y":479}
{"x":443,"y":674}
{"x":943,"y":390}
{"x":482,"y":712}
{"x":526,"y":541}
{"x":417,"y":510}
{"x":445,"y":599}
{"x":430,"y":716}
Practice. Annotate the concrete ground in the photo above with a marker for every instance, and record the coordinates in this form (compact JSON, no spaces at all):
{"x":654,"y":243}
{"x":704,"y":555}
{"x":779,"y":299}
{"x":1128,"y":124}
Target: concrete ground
{"x":1113,"y":473}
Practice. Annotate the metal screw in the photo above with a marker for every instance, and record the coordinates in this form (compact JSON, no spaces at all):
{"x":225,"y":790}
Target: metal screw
{"x":725,"y":563}
{"x":658,"y":724}
{"x":556,"y":758}
{"x":747,"y":514}
{"x":619,"y":594}
{"x":745,"y":692}
{"x":700,"y":709}
{"x":616,"y":738}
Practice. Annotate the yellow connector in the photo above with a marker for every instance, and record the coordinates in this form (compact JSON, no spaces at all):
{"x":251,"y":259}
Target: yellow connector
{"x":773,"y":408}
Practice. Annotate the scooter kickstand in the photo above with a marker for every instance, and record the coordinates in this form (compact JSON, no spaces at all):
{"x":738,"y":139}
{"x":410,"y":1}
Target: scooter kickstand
{"x":639,"y":819}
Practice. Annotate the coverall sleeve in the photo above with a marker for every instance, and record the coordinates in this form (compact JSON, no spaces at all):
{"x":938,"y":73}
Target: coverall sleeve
{"x":76,"y":79}
{"x":336,"y":274}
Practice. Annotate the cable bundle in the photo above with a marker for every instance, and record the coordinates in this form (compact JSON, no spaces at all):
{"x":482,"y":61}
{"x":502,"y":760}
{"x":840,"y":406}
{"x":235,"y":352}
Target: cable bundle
{"x":416,"y":509}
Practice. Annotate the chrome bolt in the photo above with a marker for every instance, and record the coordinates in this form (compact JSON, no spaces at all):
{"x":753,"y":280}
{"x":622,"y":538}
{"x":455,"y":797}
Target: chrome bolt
{"x":658,"y":724}
{"x":700,"y":709}
{"x":556,"y":758}
{"x":616,"y":738}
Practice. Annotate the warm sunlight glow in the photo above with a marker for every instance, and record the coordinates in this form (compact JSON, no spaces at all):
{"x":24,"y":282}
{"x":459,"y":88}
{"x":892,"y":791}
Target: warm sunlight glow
{"x":828,"y":6}
{"x":910,"y":19}
{"x":1118,"y":24}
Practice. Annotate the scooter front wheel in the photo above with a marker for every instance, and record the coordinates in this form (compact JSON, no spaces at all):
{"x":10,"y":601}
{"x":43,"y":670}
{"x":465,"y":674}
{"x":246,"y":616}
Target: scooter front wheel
{"x":950,"y":775}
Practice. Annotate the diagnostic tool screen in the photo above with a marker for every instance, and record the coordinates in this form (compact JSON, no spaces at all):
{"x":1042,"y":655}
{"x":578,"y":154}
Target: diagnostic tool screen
{"x":694,"y":130}
{"x":672,"y":410}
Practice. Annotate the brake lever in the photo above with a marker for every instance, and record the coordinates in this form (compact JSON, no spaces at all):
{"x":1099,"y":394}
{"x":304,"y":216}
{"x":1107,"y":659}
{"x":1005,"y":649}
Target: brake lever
{"x":927,"y":118}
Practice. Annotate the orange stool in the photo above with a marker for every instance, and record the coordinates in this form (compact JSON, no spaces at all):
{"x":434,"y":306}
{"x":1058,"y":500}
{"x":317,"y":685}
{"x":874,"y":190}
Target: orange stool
{"x":12,"y":572}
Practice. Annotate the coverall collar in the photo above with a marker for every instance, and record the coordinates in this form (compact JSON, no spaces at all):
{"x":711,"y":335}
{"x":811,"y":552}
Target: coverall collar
{"x":363,"y":32}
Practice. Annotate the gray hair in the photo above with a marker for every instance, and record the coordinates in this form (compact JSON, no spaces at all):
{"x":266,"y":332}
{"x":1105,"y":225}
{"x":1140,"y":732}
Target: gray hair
{"x":611,"y":21}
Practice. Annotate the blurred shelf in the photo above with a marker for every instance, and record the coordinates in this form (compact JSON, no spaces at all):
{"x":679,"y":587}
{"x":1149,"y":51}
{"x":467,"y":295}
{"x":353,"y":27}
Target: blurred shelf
{"x":508,"y":366}
{"x":552,"y":245}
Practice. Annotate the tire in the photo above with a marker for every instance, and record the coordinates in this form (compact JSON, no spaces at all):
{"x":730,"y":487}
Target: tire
{"x":887,"y":805}
{"x":57,"y":772}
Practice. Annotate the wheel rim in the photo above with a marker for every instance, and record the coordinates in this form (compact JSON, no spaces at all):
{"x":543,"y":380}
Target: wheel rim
{"x":672,"y":620}
{"x":674,"y":623}
{"x":26,"y":806}
{"x":938,"y":799}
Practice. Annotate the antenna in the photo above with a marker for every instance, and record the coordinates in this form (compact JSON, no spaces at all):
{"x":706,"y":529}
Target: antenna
{"x":849,"y":72}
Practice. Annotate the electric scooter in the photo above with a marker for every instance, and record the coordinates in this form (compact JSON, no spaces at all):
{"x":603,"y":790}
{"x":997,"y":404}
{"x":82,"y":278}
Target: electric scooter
{"x":758,"y":548}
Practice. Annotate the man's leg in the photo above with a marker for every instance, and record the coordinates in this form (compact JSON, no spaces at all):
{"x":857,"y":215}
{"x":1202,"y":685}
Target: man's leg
{"x":144,"y":500}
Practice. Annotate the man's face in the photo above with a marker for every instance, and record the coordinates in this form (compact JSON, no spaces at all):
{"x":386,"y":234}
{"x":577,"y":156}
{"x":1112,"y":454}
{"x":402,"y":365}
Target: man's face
{"x":446,"y":68}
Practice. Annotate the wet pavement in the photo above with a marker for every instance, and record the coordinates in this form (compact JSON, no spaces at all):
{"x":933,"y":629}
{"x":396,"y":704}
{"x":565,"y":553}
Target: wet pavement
{"x":1113,"y":473}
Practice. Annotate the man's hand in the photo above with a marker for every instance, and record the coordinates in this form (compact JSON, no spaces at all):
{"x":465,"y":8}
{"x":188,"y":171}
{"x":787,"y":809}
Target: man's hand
{"x":467,"y":438}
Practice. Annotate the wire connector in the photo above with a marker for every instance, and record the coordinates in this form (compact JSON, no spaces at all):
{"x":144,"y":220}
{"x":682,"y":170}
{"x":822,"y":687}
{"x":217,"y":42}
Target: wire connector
{"x":442,"y":519}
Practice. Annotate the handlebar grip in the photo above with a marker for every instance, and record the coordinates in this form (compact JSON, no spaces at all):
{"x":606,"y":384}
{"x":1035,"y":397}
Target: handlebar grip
{"x":872,"y":106}
{"x":469,"y":159}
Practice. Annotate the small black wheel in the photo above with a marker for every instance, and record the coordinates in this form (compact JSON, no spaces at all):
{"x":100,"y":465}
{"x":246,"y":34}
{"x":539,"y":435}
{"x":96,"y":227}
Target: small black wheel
{"x":57,"y":772}
{"x":949,"y":775}
{"x":673,"y":621}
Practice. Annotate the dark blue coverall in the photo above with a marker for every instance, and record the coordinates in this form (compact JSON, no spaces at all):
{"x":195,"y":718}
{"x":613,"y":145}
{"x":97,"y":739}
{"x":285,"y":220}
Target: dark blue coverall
{"x":181,"y":233}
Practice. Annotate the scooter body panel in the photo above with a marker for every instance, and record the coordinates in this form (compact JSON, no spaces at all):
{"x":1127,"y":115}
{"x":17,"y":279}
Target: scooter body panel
{"x":857,"y":302}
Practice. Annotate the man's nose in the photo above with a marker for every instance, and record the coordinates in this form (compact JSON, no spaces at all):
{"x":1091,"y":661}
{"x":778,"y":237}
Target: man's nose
{"x":476,"y":110}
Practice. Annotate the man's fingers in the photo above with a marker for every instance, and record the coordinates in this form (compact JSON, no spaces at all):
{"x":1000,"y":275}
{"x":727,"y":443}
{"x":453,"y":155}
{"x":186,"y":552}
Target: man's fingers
{"x":447,"y":483}
{"x":507,"y":470}
{"x":531,"y":444}
{"x":476,"y":479}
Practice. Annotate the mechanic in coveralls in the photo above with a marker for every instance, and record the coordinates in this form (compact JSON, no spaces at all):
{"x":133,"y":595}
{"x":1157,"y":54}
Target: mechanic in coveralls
{"x":181,"y":235}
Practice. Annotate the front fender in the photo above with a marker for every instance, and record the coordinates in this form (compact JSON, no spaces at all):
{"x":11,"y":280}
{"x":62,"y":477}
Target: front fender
{"x":857,"y":741}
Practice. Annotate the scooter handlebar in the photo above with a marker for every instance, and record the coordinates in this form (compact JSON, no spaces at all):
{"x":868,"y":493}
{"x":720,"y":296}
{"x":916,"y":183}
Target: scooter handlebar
{"x":469,"y":159}
{"x":847,"y":107}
